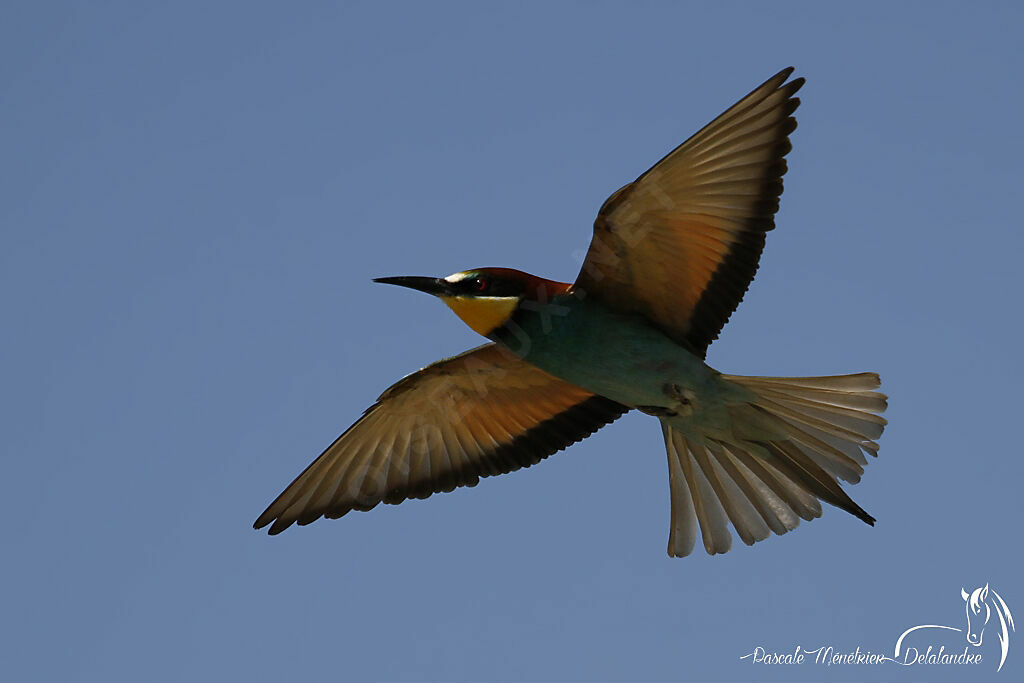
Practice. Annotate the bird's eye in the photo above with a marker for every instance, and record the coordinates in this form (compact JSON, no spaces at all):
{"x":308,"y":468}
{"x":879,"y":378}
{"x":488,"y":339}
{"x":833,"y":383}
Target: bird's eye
{"x":478,"y":284}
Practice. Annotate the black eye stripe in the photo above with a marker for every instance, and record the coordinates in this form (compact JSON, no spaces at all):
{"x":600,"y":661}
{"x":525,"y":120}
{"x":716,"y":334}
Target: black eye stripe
{"x":489,"y":286}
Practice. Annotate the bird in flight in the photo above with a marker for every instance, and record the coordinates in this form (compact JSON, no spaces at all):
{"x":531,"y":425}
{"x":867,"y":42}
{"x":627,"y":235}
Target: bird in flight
{"x":672,"y":254}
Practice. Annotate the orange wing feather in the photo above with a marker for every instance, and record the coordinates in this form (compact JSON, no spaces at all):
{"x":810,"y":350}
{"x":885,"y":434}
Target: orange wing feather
{"x":481,"y":413}
{"x":681,"y":244}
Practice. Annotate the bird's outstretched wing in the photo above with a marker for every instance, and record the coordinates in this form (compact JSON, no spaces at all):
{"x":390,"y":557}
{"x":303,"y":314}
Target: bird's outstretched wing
{"x":481,"y":413}
{"x":681,"y":243}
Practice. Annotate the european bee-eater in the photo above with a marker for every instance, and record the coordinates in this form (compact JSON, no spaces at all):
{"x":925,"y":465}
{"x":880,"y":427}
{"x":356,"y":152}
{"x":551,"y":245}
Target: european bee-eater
{"x":672,"y":254}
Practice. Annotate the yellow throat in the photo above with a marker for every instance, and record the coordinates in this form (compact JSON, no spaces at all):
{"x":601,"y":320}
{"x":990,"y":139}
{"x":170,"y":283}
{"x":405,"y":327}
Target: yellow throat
{"x":483,"y":314}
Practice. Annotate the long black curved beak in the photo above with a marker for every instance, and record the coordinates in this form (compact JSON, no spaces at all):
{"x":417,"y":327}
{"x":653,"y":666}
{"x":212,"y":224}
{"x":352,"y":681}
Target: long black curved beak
{"x":431,"y":285}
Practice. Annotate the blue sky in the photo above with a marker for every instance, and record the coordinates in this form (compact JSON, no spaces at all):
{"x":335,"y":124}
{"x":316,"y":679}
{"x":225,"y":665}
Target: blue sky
{"x":194,"y":198}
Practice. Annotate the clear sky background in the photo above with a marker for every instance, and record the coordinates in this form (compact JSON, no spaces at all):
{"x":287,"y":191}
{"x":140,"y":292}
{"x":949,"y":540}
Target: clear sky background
{"x":195,"y":196}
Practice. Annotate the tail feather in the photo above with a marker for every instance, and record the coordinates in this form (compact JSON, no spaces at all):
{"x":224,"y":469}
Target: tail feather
{"x":708,"y":506}
{"x":859,"y":382}
{"x":861,"y":405}
{"x":756,"y":422}
{"x":803,"y":417}
{"x":776,"y":514}
{"x":743,"y":488}
{"x":851,"y":450}
{"x":794,"y":498}
{"x":744,"y":516}
{"x":682,"y":533}
{"x":803,"y":469}
{"x":787,"y":449}
{"x":855,"y":420}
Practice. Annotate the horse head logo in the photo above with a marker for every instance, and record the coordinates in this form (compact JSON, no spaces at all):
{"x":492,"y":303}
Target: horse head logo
{"x":978,"y":613}
{"x":980,"y":604}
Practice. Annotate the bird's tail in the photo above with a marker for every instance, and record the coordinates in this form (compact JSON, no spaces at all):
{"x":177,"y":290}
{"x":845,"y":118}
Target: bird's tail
{"x":786,"y":447}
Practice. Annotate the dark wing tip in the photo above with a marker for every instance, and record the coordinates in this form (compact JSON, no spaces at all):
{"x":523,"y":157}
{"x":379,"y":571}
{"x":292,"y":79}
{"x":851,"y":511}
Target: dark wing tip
{"x":781,"y":77}
{"x":861,"y":514}
{"x":278,"y":526}
{"x":262,"y":520}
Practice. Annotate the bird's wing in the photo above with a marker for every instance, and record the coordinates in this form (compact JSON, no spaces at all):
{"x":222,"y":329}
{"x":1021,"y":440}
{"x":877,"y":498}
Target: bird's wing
{"x":481,"y":413}
{"x":681,"y":243}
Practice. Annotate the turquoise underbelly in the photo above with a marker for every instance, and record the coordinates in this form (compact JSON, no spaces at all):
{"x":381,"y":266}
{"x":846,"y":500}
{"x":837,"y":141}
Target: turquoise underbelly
{"x":621,"y":357}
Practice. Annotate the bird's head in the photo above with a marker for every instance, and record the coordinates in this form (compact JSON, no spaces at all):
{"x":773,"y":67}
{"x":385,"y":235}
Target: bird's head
{"x":484,"y":298}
